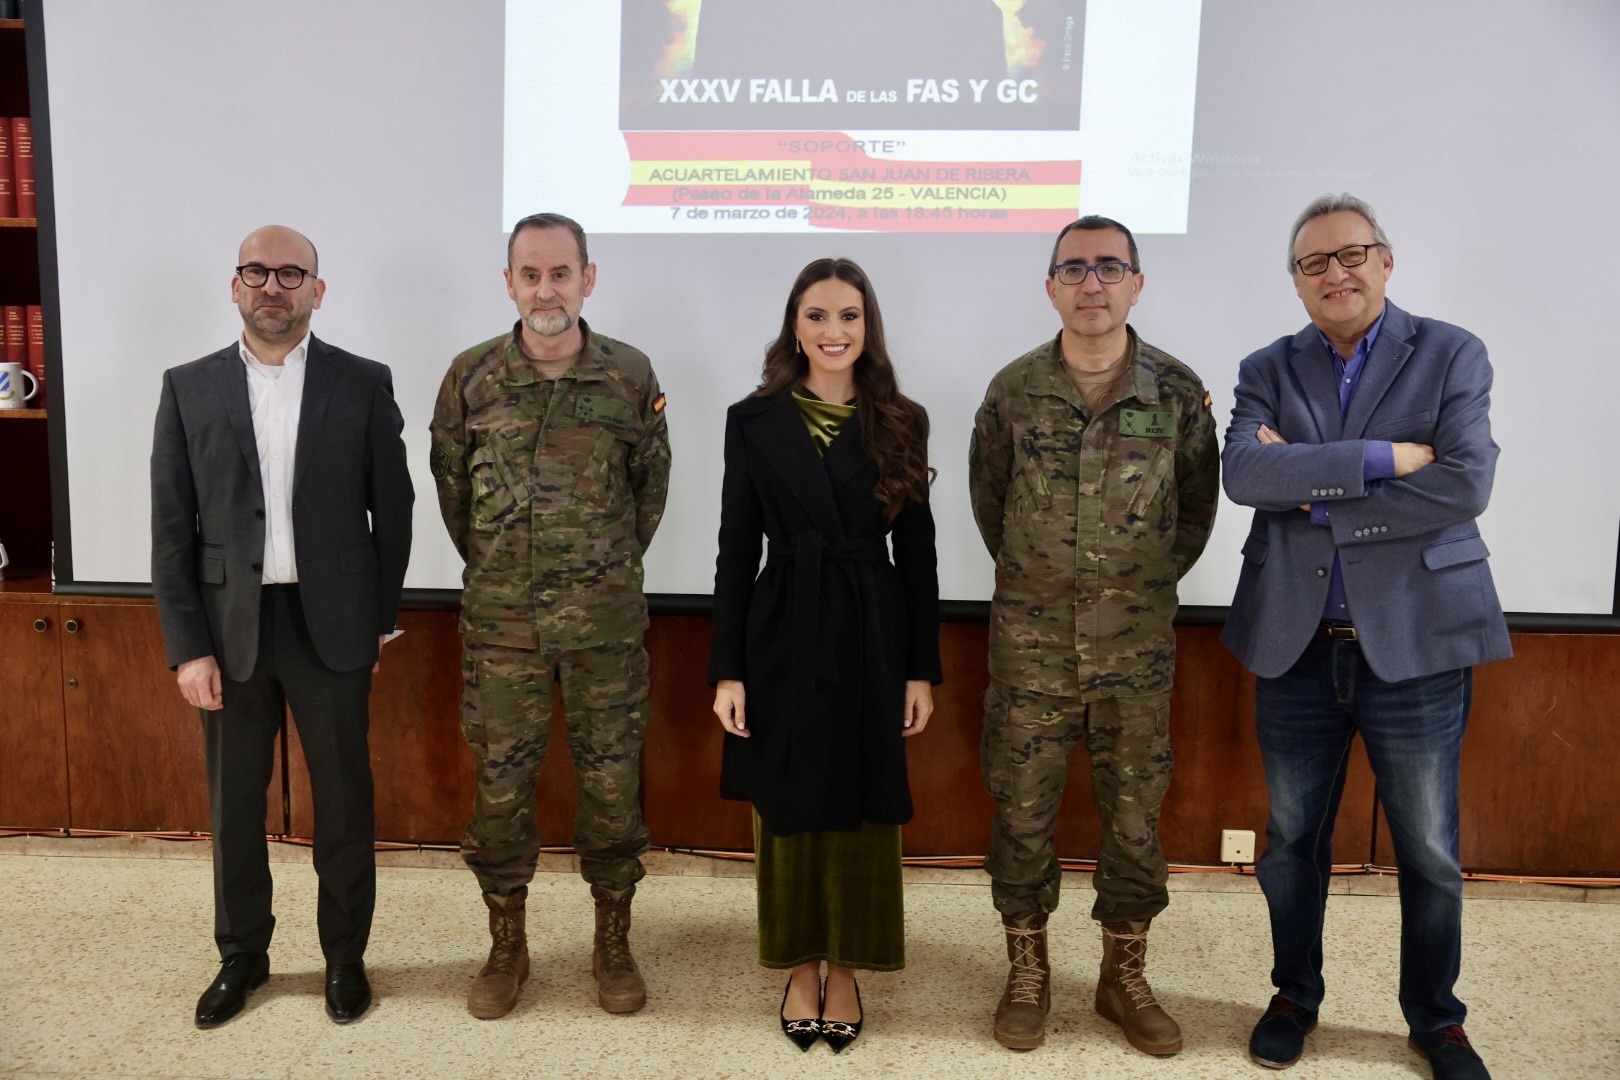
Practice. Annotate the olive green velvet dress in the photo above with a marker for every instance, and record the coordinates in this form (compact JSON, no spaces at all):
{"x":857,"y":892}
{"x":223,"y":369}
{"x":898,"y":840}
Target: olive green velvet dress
{"x":829,"y":894}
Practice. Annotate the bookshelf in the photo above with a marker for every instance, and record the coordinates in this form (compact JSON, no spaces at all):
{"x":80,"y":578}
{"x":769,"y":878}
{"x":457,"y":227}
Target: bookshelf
{"x":25,"y":526}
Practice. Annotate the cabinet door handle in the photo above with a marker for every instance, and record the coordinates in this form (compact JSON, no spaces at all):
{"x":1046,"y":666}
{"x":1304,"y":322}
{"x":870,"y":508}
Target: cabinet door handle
{"x":71,"y":626}
{"x":40,"y":626}
{"x":73,"y":682}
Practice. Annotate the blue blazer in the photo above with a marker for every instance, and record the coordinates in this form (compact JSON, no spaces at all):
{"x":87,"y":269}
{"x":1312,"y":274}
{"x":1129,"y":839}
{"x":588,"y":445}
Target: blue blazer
{"x":1415,"y":571}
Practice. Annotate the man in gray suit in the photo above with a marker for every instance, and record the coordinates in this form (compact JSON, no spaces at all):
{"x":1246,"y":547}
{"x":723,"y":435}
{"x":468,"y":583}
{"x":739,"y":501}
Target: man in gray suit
{"x":281,"y":526}
{"x":1364,"y":444}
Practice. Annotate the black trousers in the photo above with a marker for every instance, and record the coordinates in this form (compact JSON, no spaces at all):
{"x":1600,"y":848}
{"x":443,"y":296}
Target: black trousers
{"x":331,"y":711}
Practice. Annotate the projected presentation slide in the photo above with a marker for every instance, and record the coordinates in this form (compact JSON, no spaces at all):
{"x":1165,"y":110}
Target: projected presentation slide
{"x":698,"y":116}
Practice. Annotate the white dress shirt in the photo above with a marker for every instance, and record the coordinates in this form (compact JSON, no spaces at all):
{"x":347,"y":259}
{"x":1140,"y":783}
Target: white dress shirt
{"x":276,"y":395}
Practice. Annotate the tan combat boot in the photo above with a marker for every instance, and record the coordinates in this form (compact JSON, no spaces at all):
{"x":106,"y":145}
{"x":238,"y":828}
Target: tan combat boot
{"x":619,"y":986}
{"x":1021,"y":1015}
{"x":1123,"y":993}
{"x":495,"y":991}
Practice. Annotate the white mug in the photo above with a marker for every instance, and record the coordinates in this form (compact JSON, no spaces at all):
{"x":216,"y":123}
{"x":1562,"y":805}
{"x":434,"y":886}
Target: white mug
{"x":11,"y":380}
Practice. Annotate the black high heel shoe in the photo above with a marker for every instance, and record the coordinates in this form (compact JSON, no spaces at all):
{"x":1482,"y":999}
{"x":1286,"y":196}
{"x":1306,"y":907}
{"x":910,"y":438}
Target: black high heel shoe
{"x":839,"y":1034}
{"x":804,"y":1033}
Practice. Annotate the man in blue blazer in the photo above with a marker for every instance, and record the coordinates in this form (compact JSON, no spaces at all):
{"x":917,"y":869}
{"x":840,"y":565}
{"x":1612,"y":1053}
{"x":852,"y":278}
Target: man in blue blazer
{"x":1364,"y":444}
{"x":281,"y":527}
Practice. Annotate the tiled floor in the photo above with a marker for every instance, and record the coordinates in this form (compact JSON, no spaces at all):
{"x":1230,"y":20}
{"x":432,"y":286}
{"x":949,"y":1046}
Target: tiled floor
{"x":102,"y":958}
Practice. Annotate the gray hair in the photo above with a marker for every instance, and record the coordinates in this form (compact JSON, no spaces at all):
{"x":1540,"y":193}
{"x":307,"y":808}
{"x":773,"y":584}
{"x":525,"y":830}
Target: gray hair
{"x":549,"y":221}
{"x":1333,"y":204}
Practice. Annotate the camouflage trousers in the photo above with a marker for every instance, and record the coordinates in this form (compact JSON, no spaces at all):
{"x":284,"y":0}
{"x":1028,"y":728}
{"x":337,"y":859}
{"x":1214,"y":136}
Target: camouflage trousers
{"x":1024,"y":756}
{"x":506,"y":716}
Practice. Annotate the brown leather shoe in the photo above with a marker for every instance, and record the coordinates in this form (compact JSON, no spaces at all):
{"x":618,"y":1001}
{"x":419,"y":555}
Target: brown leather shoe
{"x":1123,"y":993}
{"x":494,"y":992}
{"x":1027,"y":998}
{"x":619,"y":986}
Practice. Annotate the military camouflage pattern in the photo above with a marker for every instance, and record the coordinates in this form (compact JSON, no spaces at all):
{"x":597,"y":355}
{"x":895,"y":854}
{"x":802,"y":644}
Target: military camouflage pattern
{"x":551,"y":491}
{"x":1024,"y":753}
{"x":1092,"y":520}
{"x":506,"y":716}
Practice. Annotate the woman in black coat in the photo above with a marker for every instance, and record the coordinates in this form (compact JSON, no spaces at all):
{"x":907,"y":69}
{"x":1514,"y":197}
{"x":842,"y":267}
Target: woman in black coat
{"x":824,"y":660}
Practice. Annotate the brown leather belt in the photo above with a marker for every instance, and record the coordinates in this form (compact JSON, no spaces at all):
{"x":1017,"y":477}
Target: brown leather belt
{"x":1337,"y":631}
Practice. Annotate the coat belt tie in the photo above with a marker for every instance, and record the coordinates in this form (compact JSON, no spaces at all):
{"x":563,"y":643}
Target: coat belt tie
{"x":813,"y":655}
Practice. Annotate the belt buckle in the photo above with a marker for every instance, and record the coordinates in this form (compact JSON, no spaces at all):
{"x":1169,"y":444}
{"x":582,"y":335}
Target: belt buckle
{"x":1338,"y":631}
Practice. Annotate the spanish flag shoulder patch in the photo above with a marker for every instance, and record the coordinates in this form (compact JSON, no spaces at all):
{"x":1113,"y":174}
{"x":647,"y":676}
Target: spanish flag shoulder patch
{"x":1208,"y":401}
{"x":659,"y":403}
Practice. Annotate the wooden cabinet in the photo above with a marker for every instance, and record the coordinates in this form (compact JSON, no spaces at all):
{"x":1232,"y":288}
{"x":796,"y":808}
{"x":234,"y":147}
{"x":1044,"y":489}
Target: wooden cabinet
{"x":93,"y":733}
{"x":135,"y":749}
{"x":33,"y":737}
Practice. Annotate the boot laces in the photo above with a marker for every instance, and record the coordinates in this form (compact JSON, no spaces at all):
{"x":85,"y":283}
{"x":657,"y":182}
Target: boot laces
{"x":505,"y":945}
{"x":1024,"y":987}
{"x":1455,"y":1036}
{"x":616,"y":939}
{"x":1130,"y":963}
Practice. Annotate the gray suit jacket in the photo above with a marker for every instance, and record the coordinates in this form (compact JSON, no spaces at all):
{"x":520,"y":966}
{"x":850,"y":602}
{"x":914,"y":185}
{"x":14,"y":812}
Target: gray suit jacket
{"x":1415,"y":571}
{"x":351,"y":510}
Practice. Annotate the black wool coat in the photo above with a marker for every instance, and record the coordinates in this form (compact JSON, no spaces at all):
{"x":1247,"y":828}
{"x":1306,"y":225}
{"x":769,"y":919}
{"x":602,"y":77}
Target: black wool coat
{"x":826,"y":635}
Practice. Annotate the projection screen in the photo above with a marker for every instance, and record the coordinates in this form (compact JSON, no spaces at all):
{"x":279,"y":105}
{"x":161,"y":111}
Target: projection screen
{"x":712,"y":148}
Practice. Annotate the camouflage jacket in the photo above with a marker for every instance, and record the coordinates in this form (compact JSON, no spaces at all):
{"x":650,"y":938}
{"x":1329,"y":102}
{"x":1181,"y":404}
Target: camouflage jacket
{"x":1092,"y":520}
{"x":551,"y":490}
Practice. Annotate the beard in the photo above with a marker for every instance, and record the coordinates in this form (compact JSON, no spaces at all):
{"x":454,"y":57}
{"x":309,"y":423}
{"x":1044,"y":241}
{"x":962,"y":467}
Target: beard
{"x":272,"y":322}
{"x":550,"y":323}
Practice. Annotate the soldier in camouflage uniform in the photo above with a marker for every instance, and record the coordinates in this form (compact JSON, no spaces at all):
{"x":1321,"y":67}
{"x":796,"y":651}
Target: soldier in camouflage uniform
{"x":1094,"y":473}
{"x":551,"y":456}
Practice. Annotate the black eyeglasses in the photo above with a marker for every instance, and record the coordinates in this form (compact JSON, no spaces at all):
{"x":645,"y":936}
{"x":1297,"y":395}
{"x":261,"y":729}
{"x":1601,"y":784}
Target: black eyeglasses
{"x":1109,"y":272}
{"x":1354,"y":255}
{"x":288,"y":277}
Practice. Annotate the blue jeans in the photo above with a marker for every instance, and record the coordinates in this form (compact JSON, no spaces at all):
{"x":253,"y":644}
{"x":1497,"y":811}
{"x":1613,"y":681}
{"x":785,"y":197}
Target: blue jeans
{"x":1413,"y":733}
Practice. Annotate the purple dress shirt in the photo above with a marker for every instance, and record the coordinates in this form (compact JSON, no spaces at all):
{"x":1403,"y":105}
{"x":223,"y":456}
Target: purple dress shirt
{"x":1377,"y":459}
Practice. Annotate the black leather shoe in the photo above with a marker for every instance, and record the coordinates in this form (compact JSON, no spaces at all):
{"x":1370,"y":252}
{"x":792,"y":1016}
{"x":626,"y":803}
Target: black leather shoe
{"x":1450,"y":1054}
{"x":804,"y":1033}
{"x":239,"y":976}
{"x":839,"y":1034}
{"x":348,"y":993}
{"x":1279,"y":1037}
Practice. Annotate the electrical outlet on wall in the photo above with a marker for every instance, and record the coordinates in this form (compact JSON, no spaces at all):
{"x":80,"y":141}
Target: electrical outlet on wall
{"x":1237,"y":845}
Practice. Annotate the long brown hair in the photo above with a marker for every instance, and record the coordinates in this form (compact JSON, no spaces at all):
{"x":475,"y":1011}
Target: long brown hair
{"x":894,"y":429}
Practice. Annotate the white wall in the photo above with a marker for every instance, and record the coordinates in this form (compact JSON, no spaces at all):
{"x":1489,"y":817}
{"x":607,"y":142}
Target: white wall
{"x":1482,"y":132}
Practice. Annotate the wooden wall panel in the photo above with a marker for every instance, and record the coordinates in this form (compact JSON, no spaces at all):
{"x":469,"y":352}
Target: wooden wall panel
{"x":681,"y":762}
{"x":1539,"y":762}
{"x":1539,"y":795}
{"x":952,"y":809}
{"x":33,"y":734}
{"x":423,"y":770}
{"x":1219,"y":782}
{"x":420,"y":762}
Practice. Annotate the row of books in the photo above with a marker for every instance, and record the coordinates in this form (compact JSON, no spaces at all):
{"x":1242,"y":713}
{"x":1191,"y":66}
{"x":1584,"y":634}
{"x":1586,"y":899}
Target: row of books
{"x":17,"y":197}
{"x":24,"y":340}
